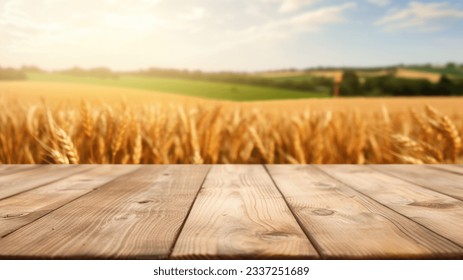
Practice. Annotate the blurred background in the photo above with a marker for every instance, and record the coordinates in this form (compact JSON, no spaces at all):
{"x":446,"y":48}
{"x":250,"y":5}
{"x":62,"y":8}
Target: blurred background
{"x":202,"y":81}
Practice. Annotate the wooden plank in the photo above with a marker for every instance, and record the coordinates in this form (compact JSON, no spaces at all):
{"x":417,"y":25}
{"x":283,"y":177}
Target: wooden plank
{"x":239,"y":213}
{"x":24,"y":208}
{"x":440,"y":213}
{"x":137,"y":216}
{"x":454,"y":168}
{"x":7,"y":169}
{"x":28,"y":179}
{"x":444,"y":182}
{"x":346,"y":224}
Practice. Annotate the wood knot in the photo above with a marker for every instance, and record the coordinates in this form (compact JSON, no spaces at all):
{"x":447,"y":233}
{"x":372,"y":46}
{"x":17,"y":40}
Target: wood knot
{"x":323,"y":212}
{"x":144,"y":201}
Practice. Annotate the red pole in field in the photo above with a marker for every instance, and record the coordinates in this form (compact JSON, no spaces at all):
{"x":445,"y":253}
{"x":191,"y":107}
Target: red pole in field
{"x":336,"y":88}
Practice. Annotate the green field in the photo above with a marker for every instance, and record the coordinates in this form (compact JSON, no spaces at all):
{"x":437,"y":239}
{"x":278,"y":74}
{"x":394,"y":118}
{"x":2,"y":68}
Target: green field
{"x":296,"y":78}
{"x":212,"y":90}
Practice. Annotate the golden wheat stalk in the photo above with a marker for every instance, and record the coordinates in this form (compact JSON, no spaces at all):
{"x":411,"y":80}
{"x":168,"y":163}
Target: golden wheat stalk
{"x":258,"y":142}
{"x":138,"y":147}
{"x":229,"y":133}
{"x":119,"y":136}
{"x":58,"y":157}
{"x":66,"y":145}
{"x":452,"y":135}
{"x":87,"y":122}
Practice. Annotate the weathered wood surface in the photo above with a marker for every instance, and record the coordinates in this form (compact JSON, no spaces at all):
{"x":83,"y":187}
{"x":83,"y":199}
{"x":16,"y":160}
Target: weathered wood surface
{"x":239,"y":213}
{"x":439,"y":213}
{"x":327,"y":207}
{"x":10,"y":169}
{"x":135,"y":216}
{"x":24,"y":208}
{"x":231,"y":211}
{"x":444,"y":182}
{"x":30,"y":178}
{"x":454,"y":168}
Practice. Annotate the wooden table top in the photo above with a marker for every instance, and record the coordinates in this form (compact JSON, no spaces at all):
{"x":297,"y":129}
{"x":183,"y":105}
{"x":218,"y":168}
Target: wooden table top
{"x":231,"y":212}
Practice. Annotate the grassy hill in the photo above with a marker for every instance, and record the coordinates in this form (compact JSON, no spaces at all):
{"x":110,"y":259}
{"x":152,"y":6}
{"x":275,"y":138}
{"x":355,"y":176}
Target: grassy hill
{"x":206,"y":89}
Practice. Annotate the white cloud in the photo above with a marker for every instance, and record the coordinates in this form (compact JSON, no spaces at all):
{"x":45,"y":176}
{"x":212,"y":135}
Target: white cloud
{"x":129,"y":34}
{"x":309,"y":21}
{"x":195,"y":13}
{"x":426,"y":17}
{"x":133,"y":22}
{"x":381,"y":3}
{"x":294,"y":5}
{"x":148,"y":2}
{"x":14,"y":20}
{"x":323,"y":16}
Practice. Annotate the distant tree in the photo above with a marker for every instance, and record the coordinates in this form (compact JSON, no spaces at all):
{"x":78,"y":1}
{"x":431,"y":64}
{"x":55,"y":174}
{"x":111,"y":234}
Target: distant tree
{"x":390,"y":85}
{"x":445,"y":86}
{"x":11,"y":74}
{"x":451,"y":65}
{"x":101,"y":72}
{"x":74,"y":71}
{"x":424,"y":87}
{"x":458,"y":87}
{"x":32,"y":69}
{"x":350,"y":85}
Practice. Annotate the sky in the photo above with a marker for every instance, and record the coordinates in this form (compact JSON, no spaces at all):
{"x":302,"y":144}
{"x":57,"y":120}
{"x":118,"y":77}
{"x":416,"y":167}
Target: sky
{"x":228,"y":35}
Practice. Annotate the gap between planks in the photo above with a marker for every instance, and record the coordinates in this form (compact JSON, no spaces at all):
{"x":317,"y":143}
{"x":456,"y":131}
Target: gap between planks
{"x":437,"y":212}
{"x":454,"y":168}
{"x":238,"y":214}
{"x":327,"y":207}
{"x":136,"y":216}
{"x":26,"y":207}
{"x":212,"y":183}
{"x":446,"y":183}
{"x":31,"y":178}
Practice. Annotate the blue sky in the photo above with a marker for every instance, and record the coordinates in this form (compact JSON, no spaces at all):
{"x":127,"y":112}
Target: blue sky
{"x":229,"y":34}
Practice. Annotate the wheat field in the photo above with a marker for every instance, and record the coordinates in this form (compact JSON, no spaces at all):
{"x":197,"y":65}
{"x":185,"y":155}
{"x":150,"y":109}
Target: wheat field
{"x":411,"y":74}
{"x":223,"y":132}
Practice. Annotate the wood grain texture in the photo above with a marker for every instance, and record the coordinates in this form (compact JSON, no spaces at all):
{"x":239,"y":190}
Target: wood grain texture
{"x":346,"y":224}
{"x":440,"y":181}
{"x":29,"y":178}
{"x":239,"y":213}
{"x":136,"y":216}
{"x":457,"y":169}
{"x":347,"y":211}
{"x":440,"y":213}
{"x":26,"y":207}
{"x":8,"y":169}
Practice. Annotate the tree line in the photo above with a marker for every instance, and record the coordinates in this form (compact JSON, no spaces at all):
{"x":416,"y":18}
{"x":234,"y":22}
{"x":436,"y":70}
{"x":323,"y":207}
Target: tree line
{"x":307,"y":84}
{"x":351,"y":85}
{"x":11,"y":74}
{"x":391,"y":85}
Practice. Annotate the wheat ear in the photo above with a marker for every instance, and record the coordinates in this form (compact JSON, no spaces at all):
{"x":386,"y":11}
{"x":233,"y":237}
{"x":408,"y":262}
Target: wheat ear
{"x":66,"y":145}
